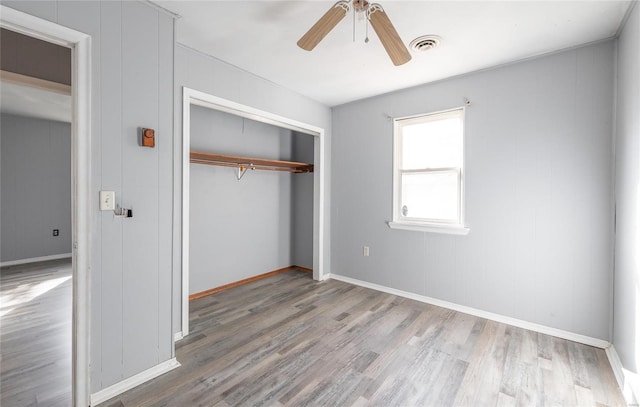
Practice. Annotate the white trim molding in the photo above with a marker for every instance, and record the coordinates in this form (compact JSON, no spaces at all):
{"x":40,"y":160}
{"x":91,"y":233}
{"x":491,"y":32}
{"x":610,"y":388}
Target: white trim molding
{"x":133,"y":381}
{"x":194,"y":97}
{"x":416,"y":227}
{"x":177,"y":336}
{"x":628,"y":381}
{"x":80,"y":44}
{"x":35,"y":259}
{"x":587,"y":340}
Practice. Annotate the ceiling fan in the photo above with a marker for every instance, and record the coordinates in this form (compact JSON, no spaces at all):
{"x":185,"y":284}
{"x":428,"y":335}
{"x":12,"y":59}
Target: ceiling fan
{"x":374,"y":13}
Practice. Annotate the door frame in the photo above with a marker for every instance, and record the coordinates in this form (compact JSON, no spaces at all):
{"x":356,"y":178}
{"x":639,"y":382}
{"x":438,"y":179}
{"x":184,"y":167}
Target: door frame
{"x":197,"y":98}
{"x":80,"y":45}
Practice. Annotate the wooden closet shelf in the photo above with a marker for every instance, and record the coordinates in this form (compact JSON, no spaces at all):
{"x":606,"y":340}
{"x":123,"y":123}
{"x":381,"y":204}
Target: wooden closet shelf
{"x":198,"y":157}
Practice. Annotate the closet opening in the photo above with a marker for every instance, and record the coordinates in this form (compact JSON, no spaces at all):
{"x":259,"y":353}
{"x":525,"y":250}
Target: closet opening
{"x":252,"y":197}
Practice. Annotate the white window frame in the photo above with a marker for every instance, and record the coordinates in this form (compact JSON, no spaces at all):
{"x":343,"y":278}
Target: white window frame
{"x":421,"y":224}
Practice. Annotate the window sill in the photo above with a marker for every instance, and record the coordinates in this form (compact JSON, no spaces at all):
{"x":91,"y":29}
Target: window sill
{"x":417,"y":227}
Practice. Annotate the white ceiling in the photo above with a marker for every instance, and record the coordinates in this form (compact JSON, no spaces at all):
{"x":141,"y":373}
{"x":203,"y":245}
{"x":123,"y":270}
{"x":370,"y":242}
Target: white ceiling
{"x":35,"y":102}
{"x":260,"y":37}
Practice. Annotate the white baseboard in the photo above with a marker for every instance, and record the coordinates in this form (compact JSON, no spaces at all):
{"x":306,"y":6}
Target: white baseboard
{"x":177,"y":336}
{"x":35,"y":259}
{"x":587,"y":340}
{"x":616,"y":365}
{"x":324,"y":277}
{"x":629,"y":382}
{"x":133,"y":381}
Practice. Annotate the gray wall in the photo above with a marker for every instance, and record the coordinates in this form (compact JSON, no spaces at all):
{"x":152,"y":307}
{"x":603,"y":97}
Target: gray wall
{"x":302,"y":204}
{"x":239,"y":229}
{"x":132,"y":78}
{"x":627,"y":272}
{"x":36,"y":187}
{"x":210,"y":75}
{"x":538,"y":193}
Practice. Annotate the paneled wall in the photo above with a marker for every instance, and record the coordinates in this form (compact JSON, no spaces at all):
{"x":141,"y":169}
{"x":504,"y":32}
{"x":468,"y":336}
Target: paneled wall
{"x":626,"y":318}
{"x":36,"y":187}
{"x":132,"y":79}
{"x":538,"y":193}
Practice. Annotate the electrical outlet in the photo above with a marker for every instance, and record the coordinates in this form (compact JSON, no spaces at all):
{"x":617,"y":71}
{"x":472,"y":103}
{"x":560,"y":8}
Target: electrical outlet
{"x":56,"y":232}
{"x":107,"y":200}
{"x":365,"y":251}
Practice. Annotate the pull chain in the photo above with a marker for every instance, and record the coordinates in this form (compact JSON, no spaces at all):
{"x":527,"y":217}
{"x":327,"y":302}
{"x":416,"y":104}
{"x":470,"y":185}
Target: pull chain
{"x":366,"y":23}
{"x":354,"y":24}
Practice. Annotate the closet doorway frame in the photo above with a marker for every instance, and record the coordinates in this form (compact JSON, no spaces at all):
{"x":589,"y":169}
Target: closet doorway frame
{"x":81,"y":215}
{"x":196,"y":98}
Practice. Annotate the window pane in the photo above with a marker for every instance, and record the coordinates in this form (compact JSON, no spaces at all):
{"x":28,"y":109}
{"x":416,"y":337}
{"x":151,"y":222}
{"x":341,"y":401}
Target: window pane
{"x":433,"y":144}
{"x":432,"y":195}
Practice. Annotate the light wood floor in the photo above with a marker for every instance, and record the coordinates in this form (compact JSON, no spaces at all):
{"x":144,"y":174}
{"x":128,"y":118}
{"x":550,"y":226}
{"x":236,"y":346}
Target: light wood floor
{"x":35,"y":334}
{"x":287,"y":340}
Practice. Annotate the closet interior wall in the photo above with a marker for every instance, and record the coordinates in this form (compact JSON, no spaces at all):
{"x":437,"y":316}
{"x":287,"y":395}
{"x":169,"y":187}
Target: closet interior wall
{"x":263,"y":222}
{"x":302,"y":203}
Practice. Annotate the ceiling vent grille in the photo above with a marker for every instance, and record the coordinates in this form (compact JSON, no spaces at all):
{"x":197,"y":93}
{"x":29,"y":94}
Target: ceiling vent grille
{"x":425,"y":43}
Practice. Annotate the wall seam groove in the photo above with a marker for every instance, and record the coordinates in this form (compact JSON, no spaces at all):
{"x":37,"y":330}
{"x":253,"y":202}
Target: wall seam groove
{"x":158,"y":190}
{"x":99,"y":82}
{"x":122,"y":246}
{"x":614,"y":139}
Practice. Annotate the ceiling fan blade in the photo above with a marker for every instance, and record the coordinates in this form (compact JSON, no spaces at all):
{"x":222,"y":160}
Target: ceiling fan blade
{"x":388,"y":35}
{"x":325,"y":24}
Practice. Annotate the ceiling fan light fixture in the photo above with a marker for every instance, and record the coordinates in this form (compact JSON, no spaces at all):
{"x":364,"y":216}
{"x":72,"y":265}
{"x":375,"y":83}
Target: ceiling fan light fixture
{"x":360,"y":6}
{"x":425,"y":43}
{"x":375,"y":15}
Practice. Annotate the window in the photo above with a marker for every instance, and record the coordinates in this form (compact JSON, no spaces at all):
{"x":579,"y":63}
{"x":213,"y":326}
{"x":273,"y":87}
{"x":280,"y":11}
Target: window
{"x":429,"y":172}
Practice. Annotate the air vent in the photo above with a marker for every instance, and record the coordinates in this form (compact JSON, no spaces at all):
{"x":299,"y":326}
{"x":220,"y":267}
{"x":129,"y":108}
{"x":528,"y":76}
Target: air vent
{"x":425,"y":43}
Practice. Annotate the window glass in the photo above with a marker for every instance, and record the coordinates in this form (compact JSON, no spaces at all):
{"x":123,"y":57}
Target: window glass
{"x":432,"y":195}
{"x":428,"y":169}
{"x":434,"y":144}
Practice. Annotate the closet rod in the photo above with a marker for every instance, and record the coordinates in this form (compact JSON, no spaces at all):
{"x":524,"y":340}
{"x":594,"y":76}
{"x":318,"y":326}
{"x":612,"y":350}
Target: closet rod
{"x":198,"y":157}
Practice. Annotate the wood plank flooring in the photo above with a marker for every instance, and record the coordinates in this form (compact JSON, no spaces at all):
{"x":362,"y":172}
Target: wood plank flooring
{"x":35,"y":334}
{"x":288,"y":340}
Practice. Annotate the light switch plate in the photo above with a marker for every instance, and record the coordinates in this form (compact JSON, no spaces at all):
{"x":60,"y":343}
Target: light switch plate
{"x":107,"y":200}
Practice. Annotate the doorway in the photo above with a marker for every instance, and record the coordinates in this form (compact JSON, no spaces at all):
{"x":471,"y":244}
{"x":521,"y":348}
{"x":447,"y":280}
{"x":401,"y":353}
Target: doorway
{"x":197,"y":98}
{"x":35,"y":248}
{"x":80,"y":46}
